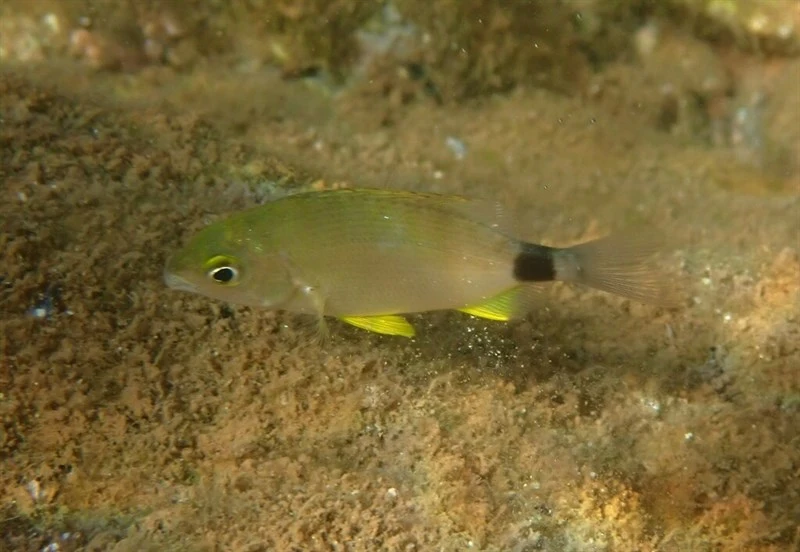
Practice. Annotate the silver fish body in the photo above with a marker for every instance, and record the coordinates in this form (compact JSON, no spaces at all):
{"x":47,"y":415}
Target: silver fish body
{"x":368,"y":256}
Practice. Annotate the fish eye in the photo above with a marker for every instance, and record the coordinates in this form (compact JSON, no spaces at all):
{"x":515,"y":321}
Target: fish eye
{"x":224,"y":274}
{"x":222,"y":270}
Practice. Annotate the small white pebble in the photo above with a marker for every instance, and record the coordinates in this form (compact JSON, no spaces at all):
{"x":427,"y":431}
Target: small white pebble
{"x":785,"y":31}
{"x":458,"y":147}
{"x":758,"y":23}
{"x":23,"y":197}
{"x":706,"y":281}
{"x":50,"y":21}
{"x":34,"y":489}
{"x":391,"y":493}
{"x":646,"y":39}
{"x":688,"y":436}
{"x":652,"y":404}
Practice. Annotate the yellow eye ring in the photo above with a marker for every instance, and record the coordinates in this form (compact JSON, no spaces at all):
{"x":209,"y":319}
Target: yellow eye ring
{"x":222,"y":270}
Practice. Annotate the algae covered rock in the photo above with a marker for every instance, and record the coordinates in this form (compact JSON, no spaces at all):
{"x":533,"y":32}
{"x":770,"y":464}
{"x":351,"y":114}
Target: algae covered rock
{"x":766,"y":25}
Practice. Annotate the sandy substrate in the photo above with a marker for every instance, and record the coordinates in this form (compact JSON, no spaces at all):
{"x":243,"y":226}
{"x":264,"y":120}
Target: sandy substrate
{"x":139,"y":418}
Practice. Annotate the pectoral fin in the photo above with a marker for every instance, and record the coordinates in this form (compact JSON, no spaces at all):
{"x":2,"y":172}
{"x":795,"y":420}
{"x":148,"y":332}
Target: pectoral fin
{"x":508,"y":305}
{"x":388,"y":324}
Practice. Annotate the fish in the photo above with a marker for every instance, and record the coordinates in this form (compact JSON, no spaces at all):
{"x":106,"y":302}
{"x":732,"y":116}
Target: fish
{"x":368,"y":257}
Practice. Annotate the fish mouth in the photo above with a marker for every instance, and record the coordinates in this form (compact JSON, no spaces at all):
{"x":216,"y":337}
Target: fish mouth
{"x":174,"y":281}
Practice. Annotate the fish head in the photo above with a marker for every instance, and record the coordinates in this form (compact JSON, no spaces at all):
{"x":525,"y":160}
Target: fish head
{"x":227,"y":265}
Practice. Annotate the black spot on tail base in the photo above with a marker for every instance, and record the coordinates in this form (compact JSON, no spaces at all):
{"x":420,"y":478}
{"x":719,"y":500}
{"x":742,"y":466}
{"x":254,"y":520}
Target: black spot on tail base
{"x":534,"y":263}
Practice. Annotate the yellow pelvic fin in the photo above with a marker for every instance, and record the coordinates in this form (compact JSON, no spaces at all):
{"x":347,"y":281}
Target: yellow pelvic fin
{"x":387,"y":324}
{"x":505,"y":306}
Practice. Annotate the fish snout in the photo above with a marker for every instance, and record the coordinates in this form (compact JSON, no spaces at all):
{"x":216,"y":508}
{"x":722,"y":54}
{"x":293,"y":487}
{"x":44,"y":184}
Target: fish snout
{"x":174,"y":281}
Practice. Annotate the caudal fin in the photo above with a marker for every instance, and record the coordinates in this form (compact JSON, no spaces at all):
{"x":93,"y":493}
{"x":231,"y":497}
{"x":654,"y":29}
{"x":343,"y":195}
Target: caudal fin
{"x":621,"y":264}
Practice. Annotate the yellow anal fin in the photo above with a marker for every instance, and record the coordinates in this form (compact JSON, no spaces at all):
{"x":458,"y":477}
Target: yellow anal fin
{"x":505,"y":306}
{"x":387,"y":324}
